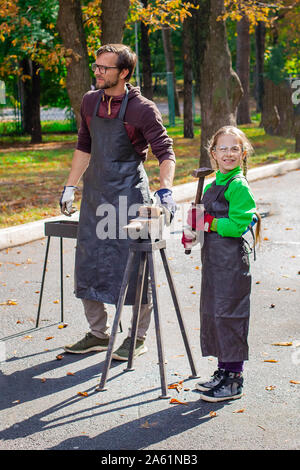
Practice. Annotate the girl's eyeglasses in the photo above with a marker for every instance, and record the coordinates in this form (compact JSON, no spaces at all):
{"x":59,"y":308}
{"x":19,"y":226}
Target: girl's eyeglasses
{"x":102,"y":68}
{"x":234,"y":150}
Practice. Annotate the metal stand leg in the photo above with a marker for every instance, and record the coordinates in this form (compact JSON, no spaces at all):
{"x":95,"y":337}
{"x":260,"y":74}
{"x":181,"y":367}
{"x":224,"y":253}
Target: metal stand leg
{"x":120,"y":305}
{"x":160,"y":350}
{"x":42,"y":284}
{"x":178,"y":312}
{"x":137,"y":309}
{"x":61,"y":281}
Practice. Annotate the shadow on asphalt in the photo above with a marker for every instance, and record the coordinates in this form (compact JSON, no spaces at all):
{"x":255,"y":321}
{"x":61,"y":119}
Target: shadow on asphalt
{"x":24,"y":386}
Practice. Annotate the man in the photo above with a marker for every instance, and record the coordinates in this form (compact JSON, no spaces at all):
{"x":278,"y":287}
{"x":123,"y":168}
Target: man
{"x":117,"y":126}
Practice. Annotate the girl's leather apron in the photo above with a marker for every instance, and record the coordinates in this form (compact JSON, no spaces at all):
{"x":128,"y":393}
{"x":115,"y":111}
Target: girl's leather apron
{"x":115,"y":170}
{"x":225,"y":287}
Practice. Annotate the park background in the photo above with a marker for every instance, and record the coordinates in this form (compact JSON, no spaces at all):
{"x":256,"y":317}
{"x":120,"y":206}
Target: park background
{"x":205,"y":63}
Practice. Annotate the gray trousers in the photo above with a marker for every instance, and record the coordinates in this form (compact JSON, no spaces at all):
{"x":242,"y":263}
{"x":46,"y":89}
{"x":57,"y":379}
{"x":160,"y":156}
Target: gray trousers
{"x":97,"y":317}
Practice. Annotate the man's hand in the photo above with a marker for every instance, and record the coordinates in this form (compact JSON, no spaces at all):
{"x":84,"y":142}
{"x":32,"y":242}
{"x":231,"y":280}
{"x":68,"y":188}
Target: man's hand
{"x":164,"y":198}
{"x":66,"y":200}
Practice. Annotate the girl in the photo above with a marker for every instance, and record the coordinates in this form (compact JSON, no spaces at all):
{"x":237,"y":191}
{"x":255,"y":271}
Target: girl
{"x":226,"y":281}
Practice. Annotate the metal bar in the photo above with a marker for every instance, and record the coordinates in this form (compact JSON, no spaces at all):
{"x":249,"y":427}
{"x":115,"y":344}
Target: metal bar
{"x":42,"y":284}
{"x":123,"y":291}
{"x":61,"y":281}
{"x":178,"y":312}
{"x":136,"y":310}
{"x":160,"y":350}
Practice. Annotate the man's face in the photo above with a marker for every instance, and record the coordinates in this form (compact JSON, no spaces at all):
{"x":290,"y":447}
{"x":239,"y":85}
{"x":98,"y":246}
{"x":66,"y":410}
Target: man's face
{"x":107,"y":77}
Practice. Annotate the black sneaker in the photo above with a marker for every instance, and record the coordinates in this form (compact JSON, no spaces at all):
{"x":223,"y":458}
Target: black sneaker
{"x":229,"y":388}
{"x":215,"y":380}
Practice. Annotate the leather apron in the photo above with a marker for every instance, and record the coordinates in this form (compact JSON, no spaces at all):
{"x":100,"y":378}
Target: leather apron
{"x":225,"y":287}
{"x":114,"y":180}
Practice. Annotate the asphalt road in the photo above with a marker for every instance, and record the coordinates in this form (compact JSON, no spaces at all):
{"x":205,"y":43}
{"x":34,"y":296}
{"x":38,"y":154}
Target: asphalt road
{"x":39,"y":403}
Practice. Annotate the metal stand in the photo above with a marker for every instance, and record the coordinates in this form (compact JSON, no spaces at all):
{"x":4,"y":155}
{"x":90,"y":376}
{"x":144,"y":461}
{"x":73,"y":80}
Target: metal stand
{"x":147,"y":250}
{"x":62,"y":229}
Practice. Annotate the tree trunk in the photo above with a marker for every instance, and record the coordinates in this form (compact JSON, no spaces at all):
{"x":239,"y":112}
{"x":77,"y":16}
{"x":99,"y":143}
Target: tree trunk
{"x":221,"y":88}
{"x":70,"y":28}
{"x":36,"y":129}
{"x":199,"y":24}
{"x":278,"y":112}
{"x":26,"y":94}
{"x":113,"y":16}
{"x":30,"y":100}
{"x":188,"y":127}
{"x":243,"y":69}
{"x":146,"y":59}
{"x":260,"y":34}
{"x":170,"y":65}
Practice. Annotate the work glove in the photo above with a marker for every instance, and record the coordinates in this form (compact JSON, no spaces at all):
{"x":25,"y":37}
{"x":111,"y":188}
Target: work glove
{"x":165,"y":199}
{"x":210,"y":223}
{"x":66,"y":200}
{"x":189,"y":238}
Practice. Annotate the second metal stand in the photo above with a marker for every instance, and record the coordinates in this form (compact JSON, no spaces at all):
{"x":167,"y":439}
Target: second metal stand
{"x":147,"y":250}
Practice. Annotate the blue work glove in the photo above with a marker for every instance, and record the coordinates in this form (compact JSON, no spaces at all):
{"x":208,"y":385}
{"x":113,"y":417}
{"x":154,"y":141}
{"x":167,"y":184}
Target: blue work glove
{"x":165,"y":199}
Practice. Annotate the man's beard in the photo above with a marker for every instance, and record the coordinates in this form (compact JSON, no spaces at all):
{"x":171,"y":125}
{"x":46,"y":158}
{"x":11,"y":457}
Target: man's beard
{"x":107,"y":83}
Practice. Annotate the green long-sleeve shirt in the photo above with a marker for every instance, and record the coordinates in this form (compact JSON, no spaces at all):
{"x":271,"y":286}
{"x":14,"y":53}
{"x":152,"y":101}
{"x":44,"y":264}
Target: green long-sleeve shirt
{"x":241,"y":204}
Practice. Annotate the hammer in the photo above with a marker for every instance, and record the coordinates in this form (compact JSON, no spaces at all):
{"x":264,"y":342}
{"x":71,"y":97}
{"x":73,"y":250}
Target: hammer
{"x":200,"y":173}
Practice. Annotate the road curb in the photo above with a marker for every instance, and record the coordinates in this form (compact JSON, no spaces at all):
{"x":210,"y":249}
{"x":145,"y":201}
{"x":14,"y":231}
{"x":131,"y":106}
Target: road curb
{"x":25,"y":233}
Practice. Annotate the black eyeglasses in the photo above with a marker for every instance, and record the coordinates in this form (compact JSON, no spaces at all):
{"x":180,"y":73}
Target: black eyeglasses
{"x":102,"y":68}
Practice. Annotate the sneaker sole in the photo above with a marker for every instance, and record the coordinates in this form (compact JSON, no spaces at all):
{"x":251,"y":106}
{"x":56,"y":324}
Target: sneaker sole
{"x":121,"y":358}
{"x":202,"y":389}
{"x":217,"y":399}
{"x":92,"y":349}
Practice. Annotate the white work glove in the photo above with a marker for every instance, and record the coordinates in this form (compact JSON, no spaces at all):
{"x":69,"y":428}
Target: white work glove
{"x":66,"y":200}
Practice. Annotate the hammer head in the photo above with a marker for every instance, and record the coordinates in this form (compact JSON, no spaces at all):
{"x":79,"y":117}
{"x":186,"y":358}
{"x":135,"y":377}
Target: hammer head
{"x":202,"y":172}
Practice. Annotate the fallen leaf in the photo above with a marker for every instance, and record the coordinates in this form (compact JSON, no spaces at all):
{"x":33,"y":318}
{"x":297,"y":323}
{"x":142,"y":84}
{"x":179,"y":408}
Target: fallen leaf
{"x":27,"y":337}
{"x":70,"y":373}
{"x":176,"y":386}
{"x":43,"y":380}
{"x":270,"y":387}
{"x":145,"y":425}
{"x":257,"y":282}
{"x":296,"y":382}
{"x":288,"y":228}
{"x":272,"y":305}
{"x":82,"y":394}
{"x":175,"y":401}
{"x":9,"y":302}
{"x":239,"y":411}
{"x":60,"y":327}
{"x":287,"y":343}
{"x":212,"y":414}
{"x":197,"y":267}
{"x":266,"y":239}
{"x":49,"y":337}
{"x":270,"y":360}
{"x":56,"y":301}
{"x":59,"y":357}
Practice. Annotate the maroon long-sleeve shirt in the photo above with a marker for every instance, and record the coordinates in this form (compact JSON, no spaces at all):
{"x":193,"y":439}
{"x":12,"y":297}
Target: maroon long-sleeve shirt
{"x":143,"y":123}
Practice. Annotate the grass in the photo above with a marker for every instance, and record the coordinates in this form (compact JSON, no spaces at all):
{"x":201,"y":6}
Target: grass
{"x":32,"y":176}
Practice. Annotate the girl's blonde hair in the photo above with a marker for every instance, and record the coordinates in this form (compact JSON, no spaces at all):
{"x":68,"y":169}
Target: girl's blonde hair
{"x":246,"y":148}
{"x":232,"y":130}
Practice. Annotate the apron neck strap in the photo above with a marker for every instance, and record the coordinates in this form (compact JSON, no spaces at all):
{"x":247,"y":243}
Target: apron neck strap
{"x":123,"y":105}
{"x":98,"y":103}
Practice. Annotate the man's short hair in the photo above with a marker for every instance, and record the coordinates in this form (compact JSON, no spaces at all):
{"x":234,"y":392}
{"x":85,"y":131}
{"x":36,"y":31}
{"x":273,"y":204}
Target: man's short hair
{"x":126,"y":57}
